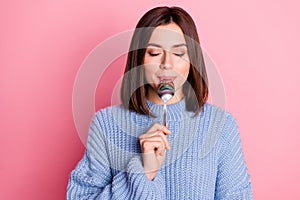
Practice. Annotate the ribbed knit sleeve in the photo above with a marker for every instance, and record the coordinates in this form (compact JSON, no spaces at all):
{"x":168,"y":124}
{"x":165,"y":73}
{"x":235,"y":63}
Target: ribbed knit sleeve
{"x":233,"y":180}
{"x":205,"y":160}
{"x":93,"y":179}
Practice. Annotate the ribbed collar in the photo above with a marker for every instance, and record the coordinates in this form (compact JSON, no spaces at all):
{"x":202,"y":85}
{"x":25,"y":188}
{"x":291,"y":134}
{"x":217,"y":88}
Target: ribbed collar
{"x":175,"y":112}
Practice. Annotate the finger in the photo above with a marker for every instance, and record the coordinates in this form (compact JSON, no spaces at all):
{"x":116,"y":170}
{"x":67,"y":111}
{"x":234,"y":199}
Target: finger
{"x":154,"y":132}
{"x":162,"y":152}
{"x":165,"y":139}
{"x":166,"y":130}
{"x":149,"y":146}
{"x":153,"y":139}
{"x":156,"y":136}
{"x":149,"y":134}
{"x":161,"y":127}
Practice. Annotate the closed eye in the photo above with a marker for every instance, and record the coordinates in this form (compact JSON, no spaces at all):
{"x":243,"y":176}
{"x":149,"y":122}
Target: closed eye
{"x":179,"y":54}
{"x":154,"y":54}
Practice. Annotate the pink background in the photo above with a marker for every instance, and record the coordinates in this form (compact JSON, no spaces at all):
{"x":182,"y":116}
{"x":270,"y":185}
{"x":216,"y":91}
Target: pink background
{"x":255,"y":45}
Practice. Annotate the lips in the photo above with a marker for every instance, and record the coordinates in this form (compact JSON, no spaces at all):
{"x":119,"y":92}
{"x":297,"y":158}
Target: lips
{"x":166,"y":78}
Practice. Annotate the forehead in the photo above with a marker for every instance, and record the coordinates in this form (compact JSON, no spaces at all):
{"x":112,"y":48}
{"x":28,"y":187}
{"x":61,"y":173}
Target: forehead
{"x":167,"y":35}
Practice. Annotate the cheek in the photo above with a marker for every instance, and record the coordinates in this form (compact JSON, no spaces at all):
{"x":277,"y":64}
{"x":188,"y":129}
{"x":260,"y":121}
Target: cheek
{"x":183,"y":70}
{"x":150,"y":71}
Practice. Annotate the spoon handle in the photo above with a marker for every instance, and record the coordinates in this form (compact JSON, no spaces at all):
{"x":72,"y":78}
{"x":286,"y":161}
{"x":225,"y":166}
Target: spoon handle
{"x":165,"y":114}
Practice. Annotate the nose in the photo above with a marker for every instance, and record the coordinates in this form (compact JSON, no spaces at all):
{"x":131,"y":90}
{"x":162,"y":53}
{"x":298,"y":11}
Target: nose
{"x":166,"y":60}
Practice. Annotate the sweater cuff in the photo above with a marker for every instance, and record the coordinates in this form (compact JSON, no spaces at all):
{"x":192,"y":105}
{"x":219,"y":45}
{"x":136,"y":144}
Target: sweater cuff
{"x":136,"y":175}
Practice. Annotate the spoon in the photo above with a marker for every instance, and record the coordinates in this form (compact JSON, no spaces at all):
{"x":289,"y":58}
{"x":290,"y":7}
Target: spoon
{"x":166,"y":90}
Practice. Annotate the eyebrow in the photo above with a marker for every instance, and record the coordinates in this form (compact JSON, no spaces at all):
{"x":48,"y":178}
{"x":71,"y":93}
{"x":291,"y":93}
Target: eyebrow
{"x":173,"y":46}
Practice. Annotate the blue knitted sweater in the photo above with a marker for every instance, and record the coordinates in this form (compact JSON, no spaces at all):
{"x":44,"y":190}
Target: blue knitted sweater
{"x":205,"y":160}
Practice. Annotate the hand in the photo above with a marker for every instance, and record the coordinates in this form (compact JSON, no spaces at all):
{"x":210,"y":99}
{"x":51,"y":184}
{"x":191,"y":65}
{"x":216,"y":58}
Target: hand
{"x":154,"y":144}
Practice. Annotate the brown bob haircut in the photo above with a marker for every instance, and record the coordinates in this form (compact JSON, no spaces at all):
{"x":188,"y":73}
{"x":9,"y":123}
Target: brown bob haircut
{"x":134,"y":88}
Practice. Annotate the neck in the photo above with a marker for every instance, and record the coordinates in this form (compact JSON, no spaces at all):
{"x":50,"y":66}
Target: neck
{"x":176,"y":111}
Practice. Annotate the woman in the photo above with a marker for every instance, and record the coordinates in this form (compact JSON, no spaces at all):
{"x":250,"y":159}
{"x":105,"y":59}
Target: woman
{"x":131,"y":155}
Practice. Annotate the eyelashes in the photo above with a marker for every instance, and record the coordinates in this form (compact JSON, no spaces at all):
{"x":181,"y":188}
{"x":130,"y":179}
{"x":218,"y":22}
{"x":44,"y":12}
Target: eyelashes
{"x":157,"y":54}
{"x":179,"y":54}
{"x":153,"y":54}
